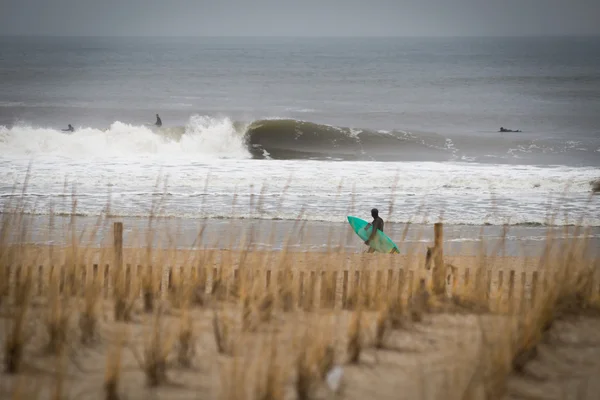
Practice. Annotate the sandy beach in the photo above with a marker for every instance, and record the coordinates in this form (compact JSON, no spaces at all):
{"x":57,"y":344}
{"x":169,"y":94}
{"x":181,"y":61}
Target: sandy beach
{"x":429,"y":352}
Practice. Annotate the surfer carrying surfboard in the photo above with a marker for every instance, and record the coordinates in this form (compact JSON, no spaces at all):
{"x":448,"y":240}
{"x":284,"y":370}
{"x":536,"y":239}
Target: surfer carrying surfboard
{"x":376,"y":224}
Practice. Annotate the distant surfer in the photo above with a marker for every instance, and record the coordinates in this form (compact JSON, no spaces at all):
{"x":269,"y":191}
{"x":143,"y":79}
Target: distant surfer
{"x":158,"y":121}
{"x":69,"y":129}
{"x":502,"y":129}
{"x":376,"y":224}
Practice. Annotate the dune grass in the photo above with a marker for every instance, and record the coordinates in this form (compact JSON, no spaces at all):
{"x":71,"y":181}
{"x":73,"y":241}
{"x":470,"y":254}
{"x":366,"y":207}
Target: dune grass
{"x":273,"y":325}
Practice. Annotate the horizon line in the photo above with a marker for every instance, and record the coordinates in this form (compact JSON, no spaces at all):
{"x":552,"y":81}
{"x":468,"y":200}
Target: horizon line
{"x":38,"y":35}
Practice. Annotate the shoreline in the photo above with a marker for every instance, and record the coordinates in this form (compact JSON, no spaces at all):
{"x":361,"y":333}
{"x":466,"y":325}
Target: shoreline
{"x":295,"y":236}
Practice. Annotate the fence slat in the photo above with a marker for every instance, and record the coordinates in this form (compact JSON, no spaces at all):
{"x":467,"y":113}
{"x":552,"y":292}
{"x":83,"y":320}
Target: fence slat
{"x":267,"y":279}
{"x":401,"y":282}
{"x":313,"y":289}
{"x":534,"y":285}
{"x":301,"y":295}
{"x":345,"y":289}
{"x":40,"y":280}
{"x":411,"y":281}
{"x":106,"y":280}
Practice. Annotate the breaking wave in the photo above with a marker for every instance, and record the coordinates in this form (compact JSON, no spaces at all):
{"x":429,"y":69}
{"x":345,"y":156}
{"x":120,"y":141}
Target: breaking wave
{"x":210,"y":137}
{"x":201,"y":136}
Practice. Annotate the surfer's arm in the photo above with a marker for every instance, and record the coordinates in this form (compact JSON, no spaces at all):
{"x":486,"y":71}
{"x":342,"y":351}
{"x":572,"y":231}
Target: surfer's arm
{"x":373,"y":232}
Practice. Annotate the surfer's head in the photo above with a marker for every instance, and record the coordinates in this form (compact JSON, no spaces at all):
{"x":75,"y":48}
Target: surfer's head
{"x":374,"y":213}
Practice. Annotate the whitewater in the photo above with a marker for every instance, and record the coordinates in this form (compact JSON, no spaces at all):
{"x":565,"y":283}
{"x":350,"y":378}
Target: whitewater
{"x":202,"y":137}
{"x":206,"y":169}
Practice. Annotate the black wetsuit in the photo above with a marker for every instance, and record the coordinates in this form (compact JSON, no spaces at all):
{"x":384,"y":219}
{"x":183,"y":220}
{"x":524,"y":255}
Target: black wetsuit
{"x":377,"y":224}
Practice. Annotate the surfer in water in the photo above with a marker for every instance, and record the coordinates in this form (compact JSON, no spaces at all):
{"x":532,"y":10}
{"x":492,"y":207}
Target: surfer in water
{"x":69,"y":129}
{"x":158,"y":121}
{"x":503,"y":129}
{"x":376,"y":224}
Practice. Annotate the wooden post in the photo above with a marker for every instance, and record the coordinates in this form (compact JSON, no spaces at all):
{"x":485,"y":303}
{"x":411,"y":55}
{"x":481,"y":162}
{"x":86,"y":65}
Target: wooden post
{"x":439,"y":268}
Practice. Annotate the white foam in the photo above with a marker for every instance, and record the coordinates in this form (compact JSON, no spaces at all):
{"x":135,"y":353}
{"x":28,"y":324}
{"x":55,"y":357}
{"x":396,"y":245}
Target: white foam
{"x":463,"y":193}
{"x":202,"y":136}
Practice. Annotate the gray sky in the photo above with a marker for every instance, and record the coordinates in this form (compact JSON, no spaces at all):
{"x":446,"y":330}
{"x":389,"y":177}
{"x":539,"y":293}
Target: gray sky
{"x":300,"y":17}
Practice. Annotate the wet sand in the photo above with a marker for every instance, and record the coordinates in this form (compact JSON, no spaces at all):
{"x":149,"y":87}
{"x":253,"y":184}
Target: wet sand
{"x":312,"y":236}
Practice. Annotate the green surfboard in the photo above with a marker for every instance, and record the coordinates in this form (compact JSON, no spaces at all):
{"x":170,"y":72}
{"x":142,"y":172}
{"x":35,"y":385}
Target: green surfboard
{"x":381,"y":242}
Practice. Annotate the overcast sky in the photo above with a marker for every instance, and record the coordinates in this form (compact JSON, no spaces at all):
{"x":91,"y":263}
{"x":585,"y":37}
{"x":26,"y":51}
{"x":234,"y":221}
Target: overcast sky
{"x":300,"y":17}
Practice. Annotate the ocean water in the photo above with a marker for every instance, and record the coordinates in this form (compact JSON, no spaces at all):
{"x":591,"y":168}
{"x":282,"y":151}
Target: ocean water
{"x":310,"y":129}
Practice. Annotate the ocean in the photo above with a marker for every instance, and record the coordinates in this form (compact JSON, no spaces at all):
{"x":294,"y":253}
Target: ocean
{"x":314,"y":129}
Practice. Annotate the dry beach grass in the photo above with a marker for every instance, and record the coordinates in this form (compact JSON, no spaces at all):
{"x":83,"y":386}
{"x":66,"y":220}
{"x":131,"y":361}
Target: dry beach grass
{"x":241,"y":323}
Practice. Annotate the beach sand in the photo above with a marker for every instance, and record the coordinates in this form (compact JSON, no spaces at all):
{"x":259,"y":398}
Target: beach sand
{"x":432,"y":359}
{"x":433,"y":353}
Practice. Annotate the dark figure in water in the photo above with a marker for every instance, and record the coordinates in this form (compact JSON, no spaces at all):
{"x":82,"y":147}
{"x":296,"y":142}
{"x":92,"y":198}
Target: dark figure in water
{"x":502,"y":129}
{"x":376,"y":224}
{"x":69,"y":129}
{"x":158,"y":121}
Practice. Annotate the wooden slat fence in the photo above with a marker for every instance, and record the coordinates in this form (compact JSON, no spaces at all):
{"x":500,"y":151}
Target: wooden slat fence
{"x":311,"y":287}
